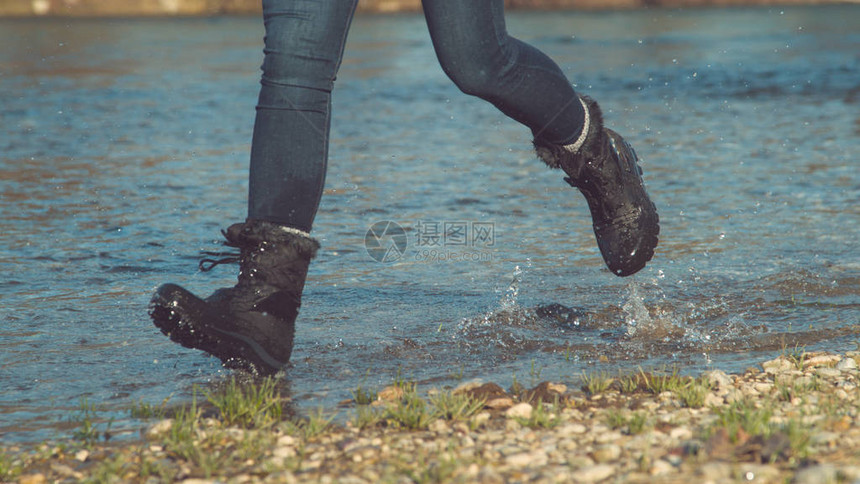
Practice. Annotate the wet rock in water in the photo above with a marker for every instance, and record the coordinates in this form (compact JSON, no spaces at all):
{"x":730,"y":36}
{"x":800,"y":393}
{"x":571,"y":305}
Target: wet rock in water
{"x":569,"y":318}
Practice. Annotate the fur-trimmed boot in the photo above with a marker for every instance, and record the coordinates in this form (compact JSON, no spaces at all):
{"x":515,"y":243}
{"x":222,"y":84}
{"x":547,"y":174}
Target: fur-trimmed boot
{"x":251,"y":325}
{"x":605,"y":169}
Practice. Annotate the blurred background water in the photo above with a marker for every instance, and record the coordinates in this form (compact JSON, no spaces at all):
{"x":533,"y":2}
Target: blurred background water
{"x":124,"y":149}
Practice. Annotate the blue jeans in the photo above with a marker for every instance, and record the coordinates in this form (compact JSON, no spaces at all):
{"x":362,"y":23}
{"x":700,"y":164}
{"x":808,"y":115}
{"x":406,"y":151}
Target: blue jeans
{"x":303,"y":49}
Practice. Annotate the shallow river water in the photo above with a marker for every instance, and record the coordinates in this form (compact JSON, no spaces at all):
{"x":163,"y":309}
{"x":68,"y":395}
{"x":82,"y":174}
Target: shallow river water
{"x":124,"y":149}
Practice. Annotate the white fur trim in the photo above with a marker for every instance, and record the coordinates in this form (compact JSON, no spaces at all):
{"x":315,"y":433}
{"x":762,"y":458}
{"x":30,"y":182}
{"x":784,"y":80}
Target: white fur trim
{"x":293,"y":231}
{"x":573,"y":148}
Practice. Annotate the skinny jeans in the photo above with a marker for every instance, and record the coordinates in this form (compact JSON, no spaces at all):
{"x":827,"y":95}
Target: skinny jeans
{"x":304,"y":43}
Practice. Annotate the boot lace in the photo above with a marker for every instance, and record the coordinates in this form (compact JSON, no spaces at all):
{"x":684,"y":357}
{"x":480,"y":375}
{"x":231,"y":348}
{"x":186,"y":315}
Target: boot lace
{"x":208,"y":263}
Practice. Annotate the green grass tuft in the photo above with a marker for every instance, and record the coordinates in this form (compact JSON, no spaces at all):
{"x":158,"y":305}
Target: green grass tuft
{"x":249,"y":405}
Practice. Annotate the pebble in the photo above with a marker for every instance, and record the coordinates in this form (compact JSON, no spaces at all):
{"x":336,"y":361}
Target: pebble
{"x":718,"y":379}
{"x":661,"y":467}
{"x":819,"y":474}
{"x":681,"y":433}
{"x":527,"y":459}
{"x":595,"y":473}
{"x":777,"y":365}
{"x":606,"y":453}
{"x":827,"y":372}
{"x":715,"y":471}
{"x":821,"y":360}
{"x":571,"y":429}
{"x":520,"y":410}
{"x":160,"y":428}
{"x":846,"y":364}
{"x":32,"y":479}
{"x":500,"y":403}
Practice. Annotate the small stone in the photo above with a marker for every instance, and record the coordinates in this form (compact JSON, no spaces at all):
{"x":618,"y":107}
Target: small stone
{"x":827,"y":439}
{"x":580,"y":462}
{"x":595,"y":473}
{"x":499,"y":403}
{"x":285,"y":440}
{"x":466,"y":387}
{"x":846,"y":364}
{"x":760,"y":473}
{"x":827,"y":372}
{"x":82,"y":455}
{"x":820,"y":474}
{"x":390,"y":394}
{"x":821,"y":360}
{"x":66,"y":471}
{"x":681,"y":433}
{"x":777,"y":365}
{"x":571,"y":429}
{"x":718,"y":379}
{"x":488,"y":475}
{"x":32,"y":479}
{"x":159,"y":428}
{"x":439,"y":426}
{"x":606,"y":453}
{"x":715,"y":471}
{"x":520,"y":410}
{"x":605,"y":437}
{"x":284,"y":452}
{"x":661,"y":467}
{"x":524,"y":459}
{"x":712,"y":400}
{"x":763,"y":387}
{"x":480,"y":419}
{"x":734,"y":396}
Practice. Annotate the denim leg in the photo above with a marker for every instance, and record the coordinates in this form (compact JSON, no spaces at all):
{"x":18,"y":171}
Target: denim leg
{"x":303,"y":49}
{"x":477,"y":53}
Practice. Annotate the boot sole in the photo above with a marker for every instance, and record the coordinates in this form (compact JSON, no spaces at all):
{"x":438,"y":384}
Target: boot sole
{"x":243,"y":353}
{"x":649,"y":220}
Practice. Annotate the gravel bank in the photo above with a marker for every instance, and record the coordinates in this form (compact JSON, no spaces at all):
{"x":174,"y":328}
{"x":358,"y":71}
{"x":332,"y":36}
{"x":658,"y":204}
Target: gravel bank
{"x":793,"y":419}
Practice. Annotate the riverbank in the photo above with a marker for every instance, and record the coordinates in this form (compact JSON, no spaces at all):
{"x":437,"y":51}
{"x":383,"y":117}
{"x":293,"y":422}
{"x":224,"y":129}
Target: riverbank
{"x":792,"y":419}
{"x":113,"y":8}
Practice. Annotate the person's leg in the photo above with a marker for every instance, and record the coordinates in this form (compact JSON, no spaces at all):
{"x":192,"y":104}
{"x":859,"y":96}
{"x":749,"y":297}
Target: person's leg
{"x":477,"y":53}
{"x":303,"y":49}
{"x":251,"y":325}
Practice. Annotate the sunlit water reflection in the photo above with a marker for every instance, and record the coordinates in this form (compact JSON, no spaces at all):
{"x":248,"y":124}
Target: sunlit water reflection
{"x":124,"y":151}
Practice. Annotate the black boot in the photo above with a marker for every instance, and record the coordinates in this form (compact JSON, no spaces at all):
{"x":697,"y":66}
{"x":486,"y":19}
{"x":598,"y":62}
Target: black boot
{"x":251,"y":325}
{"x":605,"y":169}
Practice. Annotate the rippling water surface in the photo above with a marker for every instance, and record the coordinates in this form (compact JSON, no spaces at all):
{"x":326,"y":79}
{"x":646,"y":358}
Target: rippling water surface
{"x":124,"y":149}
